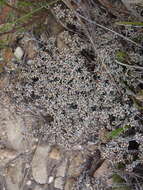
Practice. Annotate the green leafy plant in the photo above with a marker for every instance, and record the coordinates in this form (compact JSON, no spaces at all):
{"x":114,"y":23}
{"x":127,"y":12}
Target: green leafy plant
{"x":121,"y":56}
{"x":119,"y":183}
{"x":35,"y":12}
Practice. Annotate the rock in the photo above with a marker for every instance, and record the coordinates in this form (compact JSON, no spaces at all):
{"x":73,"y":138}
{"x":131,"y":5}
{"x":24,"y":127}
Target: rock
{"x":69,"y":183}
{"x":75,"y":168}
{"x":94,"y":161}
{"x":18,"y":53}
{"x":61,"y":170}
{"x":91,"y":147}
{"x":102,"y":170}
{"x":55,"y":153}
{"x":60,"y":42}
{"x":2,"y":182}
{"x":51,"y":179}
{"x":14,"y":176}
{"x":38,"y":188}
{"x":59,"y":183}
{"x":15,"y":133}
{"x":53,"y":161}
{"x":29,"y":182}
{"x":39,"y":164}
{"x":31,"y":49}
{"x":30,"y":45}
{"x":7,"y":154}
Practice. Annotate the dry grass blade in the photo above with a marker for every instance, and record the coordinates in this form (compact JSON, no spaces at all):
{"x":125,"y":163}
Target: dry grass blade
{"x":108,"y":29}
{"x":130,"y":66}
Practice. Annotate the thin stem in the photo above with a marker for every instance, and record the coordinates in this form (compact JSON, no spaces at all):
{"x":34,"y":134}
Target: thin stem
{"x":28,"y":15}
{"x":108,"y":29}
{"x":14,"y":8}
{"x":131,"y":66}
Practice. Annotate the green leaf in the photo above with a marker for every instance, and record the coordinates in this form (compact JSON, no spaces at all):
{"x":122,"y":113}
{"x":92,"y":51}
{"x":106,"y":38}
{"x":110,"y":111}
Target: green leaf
{"x":130,"y":23}
{"x":24,"y":4}
{"x":6,"y":27}
{"x":117,"y":132}
{"x":2,"y":2}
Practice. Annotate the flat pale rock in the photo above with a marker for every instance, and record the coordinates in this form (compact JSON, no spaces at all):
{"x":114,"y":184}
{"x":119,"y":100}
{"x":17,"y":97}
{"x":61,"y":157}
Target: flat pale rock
{"x":51,"y":179}
{"x":55,"y":153}
{"x":59,"y":183}
{"x":69,"y":184}
{"x":60,"y":42}
{"x":38,"y":188}
{"x":7,"y":154}
{"x":19,"y":53}
{"x":102,"y":170}
{"x":14,"y":176}
{"x":61,"y":170}
{"x":15,"y":133}
{"x":39,"y":164}
{"x":31,"y":49}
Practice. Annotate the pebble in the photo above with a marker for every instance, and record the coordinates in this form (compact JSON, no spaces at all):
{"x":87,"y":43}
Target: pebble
{"x":59,"y":183}
{"x":14,"y":132}
{"x":29,"y":183}
{"x":102,"y":170}
{"x":61,"y":170}
{"x":8,"y":154}
{"x":31,"y":49}
{"x":69,"y":183}
{"x":60,"y":42}
{"x":75,"y":168}
{"x":14,"y":175}
{"x":19,"y":53}
{"x":55,"y":153}
{"x":39,"y":164}
{"x":51,"y":179}
{"x":38,"y":188}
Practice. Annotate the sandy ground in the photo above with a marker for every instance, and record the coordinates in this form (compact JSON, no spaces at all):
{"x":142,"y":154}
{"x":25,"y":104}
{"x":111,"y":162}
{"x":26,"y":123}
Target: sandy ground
{"x":61,"y":96}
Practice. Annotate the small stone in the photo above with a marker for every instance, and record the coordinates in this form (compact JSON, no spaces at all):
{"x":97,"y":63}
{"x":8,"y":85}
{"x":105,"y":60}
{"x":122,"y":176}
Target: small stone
{"x":15,"y":133}
{"x":51,"y":178}
{"x":59,"y":183}
{"x":29,"y":183}
{"x":87,"y":185}
{"x":61,"y":170}
{"x":31,"y":49}
{"x":60,"y":42}
{"x":69,"y":184}
{"x":8,"y":154}
{"x":75,"y":166}
{"x":18,"y":53}
{"x":38,"y":188}
{"x":55,"y":153}
{"x":14,"y":175}
{"x":39,"y":164}
{"x":102,"y":170}
{"x":91,"y":147}
{"x":27,"y":165}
